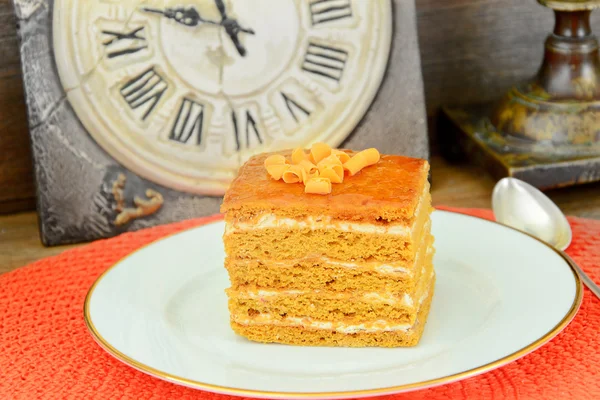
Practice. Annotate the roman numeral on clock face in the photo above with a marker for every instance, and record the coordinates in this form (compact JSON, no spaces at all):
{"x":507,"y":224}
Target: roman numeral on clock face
{"x":123,"y":43}
{"x":326,"y":61}
{"x":189,"y":122}
{"x":144,"y":90}
{"x":296,"y":110}
{"x":322,"y":11}
{"x":245,"y":131}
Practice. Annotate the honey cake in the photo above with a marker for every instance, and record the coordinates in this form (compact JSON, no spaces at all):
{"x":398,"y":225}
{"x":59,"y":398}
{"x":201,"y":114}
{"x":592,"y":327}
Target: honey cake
{"x":348,"y":265}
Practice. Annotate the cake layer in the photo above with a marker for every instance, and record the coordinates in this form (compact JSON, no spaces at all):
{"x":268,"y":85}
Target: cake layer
{"x":312,"y":333}
{"x":389,"y":191}
{"x":396,"y":268}
{"x":350,"y":307}
{"x":315,"y":273}
{"x":236,"y":222}
{"x":284,"y":243}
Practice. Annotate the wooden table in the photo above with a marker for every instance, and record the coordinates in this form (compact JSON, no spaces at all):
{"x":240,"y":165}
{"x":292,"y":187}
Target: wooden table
{"x":452,"y":185}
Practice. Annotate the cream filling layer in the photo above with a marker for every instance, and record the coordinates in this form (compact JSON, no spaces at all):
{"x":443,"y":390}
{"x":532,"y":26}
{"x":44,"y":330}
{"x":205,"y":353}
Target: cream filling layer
{"x":390,"y":268}
{"x":310,"y":323}
{"x":383,"y":268}
{"x":388,"y":298}
{"x":270,"y":221}
{"x":371,"y":327}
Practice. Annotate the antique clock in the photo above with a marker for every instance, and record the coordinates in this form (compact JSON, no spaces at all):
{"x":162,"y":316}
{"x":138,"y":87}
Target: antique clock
{"x":182,"y":92}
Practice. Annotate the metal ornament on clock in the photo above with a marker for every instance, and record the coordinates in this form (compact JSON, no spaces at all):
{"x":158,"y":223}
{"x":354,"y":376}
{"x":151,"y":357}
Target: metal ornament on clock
{"x":545,"y":131}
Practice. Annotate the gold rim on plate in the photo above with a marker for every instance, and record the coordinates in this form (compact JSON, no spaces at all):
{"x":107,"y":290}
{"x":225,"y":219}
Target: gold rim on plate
{"x":364,"y":392}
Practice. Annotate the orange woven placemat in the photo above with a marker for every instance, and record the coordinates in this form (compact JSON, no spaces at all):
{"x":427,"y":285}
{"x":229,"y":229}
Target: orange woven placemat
{"x":47,"y":353}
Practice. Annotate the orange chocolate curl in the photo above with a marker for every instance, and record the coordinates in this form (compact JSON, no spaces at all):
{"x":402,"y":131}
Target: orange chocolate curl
{"x":318,"y":186}
{"x":330,"y":160}
{"x":335,"y":173}
{"x":309,"y":170}
{"x":331,"y":168}
{"x":319,"y":151}
{"x":277,"y":171}
{"x":309,"y":167}
{"x":275,"y":160}
{"x":361,"y":160}
{"x":341,"y":155}
{"x":276,"y":166}
{"x":308,"y":176}
{"x":299,"y":155}
{"x":294,"y":174}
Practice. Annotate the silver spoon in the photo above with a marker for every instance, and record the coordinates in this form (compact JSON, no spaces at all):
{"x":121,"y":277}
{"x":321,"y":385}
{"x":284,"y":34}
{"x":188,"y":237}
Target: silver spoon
{"x":524,"y":207}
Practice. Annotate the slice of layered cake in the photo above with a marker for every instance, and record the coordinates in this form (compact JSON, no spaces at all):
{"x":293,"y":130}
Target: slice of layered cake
{"x":331,"y":248}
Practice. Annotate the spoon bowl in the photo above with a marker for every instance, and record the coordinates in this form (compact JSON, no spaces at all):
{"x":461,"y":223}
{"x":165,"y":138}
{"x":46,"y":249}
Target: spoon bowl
{"x":524,"y":207}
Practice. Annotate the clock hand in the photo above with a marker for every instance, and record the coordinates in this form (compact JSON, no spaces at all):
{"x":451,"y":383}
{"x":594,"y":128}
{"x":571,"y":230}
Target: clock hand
{"x":233,"y":28}
{"x":221,"y":7}
{"x":186,"y":16}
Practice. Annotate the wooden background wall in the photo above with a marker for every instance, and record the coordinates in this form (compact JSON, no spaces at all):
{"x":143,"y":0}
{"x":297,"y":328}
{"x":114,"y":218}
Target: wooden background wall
{"x":471,"y":50}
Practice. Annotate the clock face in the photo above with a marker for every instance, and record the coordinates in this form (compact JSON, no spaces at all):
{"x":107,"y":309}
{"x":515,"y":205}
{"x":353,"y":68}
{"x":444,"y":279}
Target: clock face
{"x":183,"y":92}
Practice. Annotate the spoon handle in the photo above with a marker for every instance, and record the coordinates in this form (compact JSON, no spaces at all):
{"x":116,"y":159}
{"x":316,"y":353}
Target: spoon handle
{"x":586,"y":279}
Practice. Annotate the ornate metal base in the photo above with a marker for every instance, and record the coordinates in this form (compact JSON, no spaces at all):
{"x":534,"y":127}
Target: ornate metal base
{"x":467,"y":132}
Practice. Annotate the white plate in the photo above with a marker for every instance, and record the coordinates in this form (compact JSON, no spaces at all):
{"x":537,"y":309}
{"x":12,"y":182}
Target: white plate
{"x":500,"y":294}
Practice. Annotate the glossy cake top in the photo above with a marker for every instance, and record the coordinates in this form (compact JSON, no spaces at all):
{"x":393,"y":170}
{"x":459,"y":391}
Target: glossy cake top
{"x":388,"y":191}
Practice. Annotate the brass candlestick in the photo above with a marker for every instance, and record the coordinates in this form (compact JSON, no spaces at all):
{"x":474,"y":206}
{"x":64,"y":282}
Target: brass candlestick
{"x":545,"y":131}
